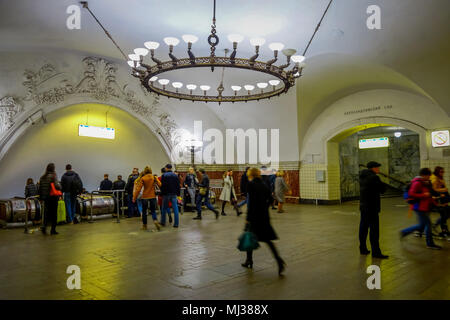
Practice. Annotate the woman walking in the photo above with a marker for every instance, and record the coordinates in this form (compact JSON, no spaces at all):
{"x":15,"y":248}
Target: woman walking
{"x":258,"y":218}
{"x":228,"y":194}
{"x":148,"y":182}
{"x":48,"y":196}
{"x":281,"y":188}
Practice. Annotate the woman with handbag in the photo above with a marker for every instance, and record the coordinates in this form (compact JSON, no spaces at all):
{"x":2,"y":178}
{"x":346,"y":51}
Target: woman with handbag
{"x":49,"y":192}
{"x":258,"y":219}
{"x":228,"y":194}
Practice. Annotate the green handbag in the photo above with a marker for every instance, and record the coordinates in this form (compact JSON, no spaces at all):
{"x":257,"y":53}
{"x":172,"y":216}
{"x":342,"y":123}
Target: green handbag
{"x":61,"y":213}
{"x":248,"y":240}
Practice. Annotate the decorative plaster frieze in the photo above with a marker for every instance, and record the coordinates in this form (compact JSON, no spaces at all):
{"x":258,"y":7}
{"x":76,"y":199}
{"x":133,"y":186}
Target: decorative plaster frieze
{"x":9,"y":108}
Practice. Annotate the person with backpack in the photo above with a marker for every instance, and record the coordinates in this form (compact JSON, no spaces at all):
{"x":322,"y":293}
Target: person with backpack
{"x":72,"y":186}
{"x":371,"y":187}
{"x":420,"y":197}
{"x":170,"y":189}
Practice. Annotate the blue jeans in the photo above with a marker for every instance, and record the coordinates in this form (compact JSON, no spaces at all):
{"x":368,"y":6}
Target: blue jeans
{"x":172,"y":198}
{"x":132,"y":206}
{"x":207,"y":203}
{"x":71,"y":209}
{"x":424,"y":224}
{"x":245,"y":201}
{"x":146,"y":204}
{"x":139,"y":206}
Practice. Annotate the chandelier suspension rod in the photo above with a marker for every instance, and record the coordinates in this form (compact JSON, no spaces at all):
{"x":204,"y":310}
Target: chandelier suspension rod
{"x":85,"y":5}
{"x":317,"y":28}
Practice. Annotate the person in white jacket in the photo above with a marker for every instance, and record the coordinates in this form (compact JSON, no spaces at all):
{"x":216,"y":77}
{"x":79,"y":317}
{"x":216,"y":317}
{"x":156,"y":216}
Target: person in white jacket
{"x":228,"y":194}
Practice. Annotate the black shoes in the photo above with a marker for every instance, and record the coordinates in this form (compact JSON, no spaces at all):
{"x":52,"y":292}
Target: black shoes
{"x":364,"y":252}
{"x":197,"y":218}
{"x":217,"y":214}
{"x":379,"y":256}
{"x":170,"y":218}
{"x":239,"y":213}
{"x":434,"y":247}
{"x":281,"y":266}
{"x":44,"y":230}
{"x":247,"y":264}
{"x":223,"y":213}
{"x":53,"y":232}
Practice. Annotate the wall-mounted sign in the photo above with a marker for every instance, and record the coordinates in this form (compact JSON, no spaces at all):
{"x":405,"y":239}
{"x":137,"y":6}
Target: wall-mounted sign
{"x":96,"y":132}
{"x":440,"y":138}
{"x":374,"y":143}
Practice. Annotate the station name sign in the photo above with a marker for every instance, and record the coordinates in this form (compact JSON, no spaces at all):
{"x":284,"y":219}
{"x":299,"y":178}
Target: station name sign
{"x":96,"y":132}
{"x":374,"y":143}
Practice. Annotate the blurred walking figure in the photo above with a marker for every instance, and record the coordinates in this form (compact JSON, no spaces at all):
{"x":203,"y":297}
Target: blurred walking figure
{"x":420,"y":192}
{"x":147,"y":181}
{"x":441,"y":190}
{"x":49,"y":198}
{"x":30,"y":188}
{"x":190,"y":182}
{"x":132,"y":207}
{"x":203,"y":196}
{"x":281,"y":188}
{"x":228,"y":194}
{"x":258,"y":218}
{"x":371,"y":187}
{"x":244,"y":183}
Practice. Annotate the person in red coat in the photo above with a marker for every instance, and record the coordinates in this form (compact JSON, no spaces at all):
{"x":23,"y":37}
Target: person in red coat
{"x":420,"y":192}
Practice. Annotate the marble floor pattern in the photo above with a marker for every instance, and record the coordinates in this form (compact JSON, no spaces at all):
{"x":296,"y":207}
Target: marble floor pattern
{"x":199,"y":260}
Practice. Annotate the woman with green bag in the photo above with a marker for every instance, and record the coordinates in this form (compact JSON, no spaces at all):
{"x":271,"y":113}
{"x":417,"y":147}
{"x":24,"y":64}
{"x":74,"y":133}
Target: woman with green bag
{"x":61,"y":213}
{"x":258,"y":220}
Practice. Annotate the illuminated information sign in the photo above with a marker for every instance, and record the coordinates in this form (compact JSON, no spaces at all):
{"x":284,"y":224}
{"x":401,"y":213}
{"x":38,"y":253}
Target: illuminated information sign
{"x":440,"y":138}
{"x":374,"y":143}
{"x":96,"y":132}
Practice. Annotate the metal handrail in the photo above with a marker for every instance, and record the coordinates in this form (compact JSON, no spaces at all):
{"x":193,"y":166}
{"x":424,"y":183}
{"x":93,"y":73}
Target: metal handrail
{"x":28,"y":211}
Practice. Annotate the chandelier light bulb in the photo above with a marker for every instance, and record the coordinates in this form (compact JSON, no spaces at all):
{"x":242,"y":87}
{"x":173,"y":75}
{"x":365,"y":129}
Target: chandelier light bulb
{"x":163,"y":81}
{"x":262,"y":85}
{"x":257,"y":41}
{"x":274,"y":82}
{"x":276,"y":46}
{"x":134,"y":57}
{"x":289,"y":52}
{"x":152,"y":79}
{"x":131,"y":63}
{"x":235,"y":38}
{"x":189,"y":38}
{"x":152,"y":45}
{"x":177,"y":85}
{"x":236,"y":88}
{"x":249,"y":87}
{"x":298,"y":58}
{"x":205,"y":88}
{"x":171,"y":41}
{"x":398,"y":134}
{"x":141,"y":51}
{"x":191,"y":86}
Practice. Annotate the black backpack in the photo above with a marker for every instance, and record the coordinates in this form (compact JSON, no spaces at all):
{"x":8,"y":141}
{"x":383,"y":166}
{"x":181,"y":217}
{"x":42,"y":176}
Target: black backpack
{"x":76,"y":185}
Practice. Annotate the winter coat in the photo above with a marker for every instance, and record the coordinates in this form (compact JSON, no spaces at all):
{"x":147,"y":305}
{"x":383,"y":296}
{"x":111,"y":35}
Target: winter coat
{"x":280,"y":189}
{"x":30,"y":190}
{"x":244,"y":183}
{"x":130,"y":183}
{"x":170,"y":184}
{"x":370,"y":187}
{"x":260,"y":199}
{"x":119,"y":185}
{"x":190,"y":181}
{"x":106,"y":184}
{"x":417,"y":191}
{"x":228,"y":189}
{"x":147,"y":182}
{"x":44,"y":185}
{"x":67,"y":184}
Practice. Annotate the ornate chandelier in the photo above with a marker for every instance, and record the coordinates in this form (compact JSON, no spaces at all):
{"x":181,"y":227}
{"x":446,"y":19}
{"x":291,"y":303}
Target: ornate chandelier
{"x":152,"y":76}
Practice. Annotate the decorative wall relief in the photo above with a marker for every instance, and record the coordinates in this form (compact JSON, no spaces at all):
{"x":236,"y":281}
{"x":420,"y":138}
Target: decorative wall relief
{"x":9,"y":108}
{"x":98,"y":76}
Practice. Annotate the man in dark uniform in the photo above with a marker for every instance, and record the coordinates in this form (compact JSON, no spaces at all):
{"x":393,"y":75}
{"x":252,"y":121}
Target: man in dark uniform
{"x":370,"y":189}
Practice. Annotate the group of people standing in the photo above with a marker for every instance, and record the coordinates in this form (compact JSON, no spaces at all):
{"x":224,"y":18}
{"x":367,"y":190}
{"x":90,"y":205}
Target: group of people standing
{"x":423,"y":195}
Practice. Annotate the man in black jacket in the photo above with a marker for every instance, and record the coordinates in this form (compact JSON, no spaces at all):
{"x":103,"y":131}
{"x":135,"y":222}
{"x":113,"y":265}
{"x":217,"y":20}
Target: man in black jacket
{"x":119,"y":184}
{"x":170,"y":189}
{"x":106,"y":184}
{"x":71,"y":185}
{"x":132,"y":206}
{"x":370,"y":189}
{"x":244,"y":183}
{"x":204,"y":194}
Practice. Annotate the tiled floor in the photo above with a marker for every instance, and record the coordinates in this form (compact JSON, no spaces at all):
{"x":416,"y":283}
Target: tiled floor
{"x":200,"y":260}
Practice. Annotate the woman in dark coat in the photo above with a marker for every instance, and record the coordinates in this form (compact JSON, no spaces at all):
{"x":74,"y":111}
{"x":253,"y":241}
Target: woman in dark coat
{"x":258,"y":220}
{"x":50,"y":202}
